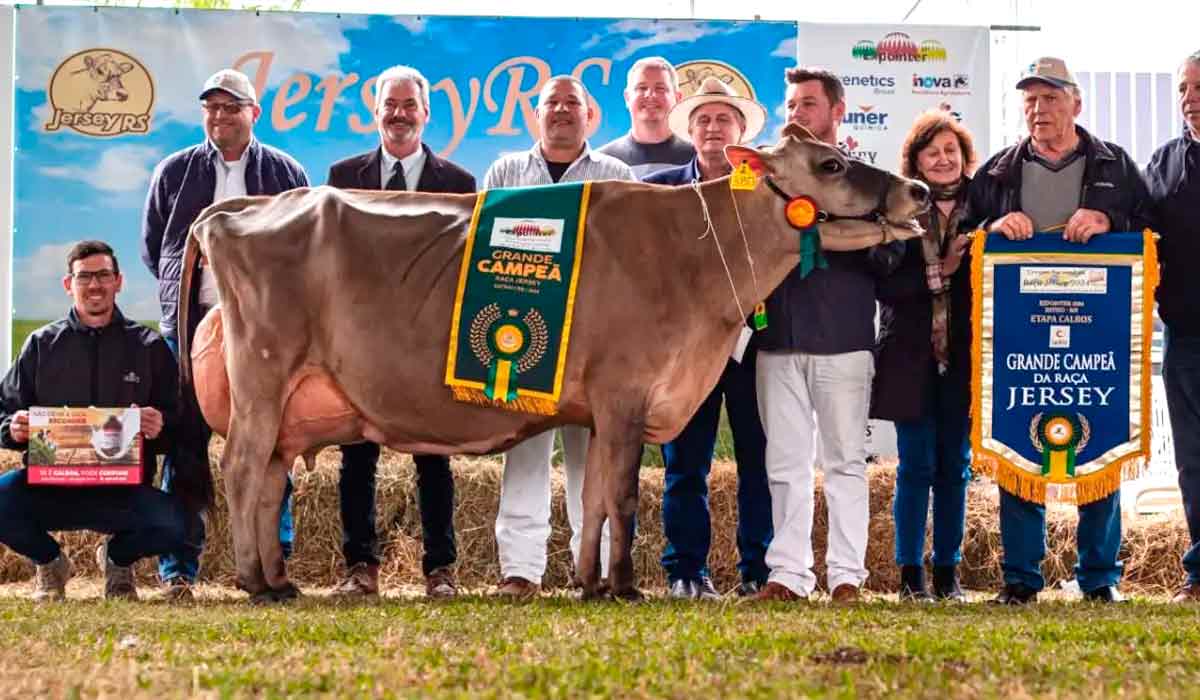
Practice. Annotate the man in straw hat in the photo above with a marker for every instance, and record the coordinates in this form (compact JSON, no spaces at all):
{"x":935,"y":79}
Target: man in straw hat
{"x":1060,"y":176}
{"x":712,"y":119}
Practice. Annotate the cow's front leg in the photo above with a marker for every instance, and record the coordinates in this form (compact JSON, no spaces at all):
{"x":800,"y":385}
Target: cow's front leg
{"x":270,"y":551}
{"x":610,"y":492}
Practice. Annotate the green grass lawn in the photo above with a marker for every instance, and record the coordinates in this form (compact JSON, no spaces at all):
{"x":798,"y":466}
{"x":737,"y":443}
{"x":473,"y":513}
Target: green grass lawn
{"x":557,"y":647}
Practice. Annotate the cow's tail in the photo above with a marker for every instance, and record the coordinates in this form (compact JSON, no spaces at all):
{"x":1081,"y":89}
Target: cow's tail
{"x":191,"y":474}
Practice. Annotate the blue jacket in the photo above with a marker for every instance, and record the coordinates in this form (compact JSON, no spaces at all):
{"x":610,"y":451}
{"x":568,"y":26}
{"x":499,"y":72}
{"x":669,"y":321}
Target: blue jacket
{"x":1173,"y":178}
{"x":181,"y":187}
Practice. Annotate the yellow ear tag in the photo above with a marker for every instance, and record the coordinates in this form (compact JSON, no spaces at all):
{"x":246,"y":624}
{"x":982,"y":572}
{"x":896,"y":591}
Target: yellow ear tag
{"x":801,"y":212}
{"x":743,"y":178}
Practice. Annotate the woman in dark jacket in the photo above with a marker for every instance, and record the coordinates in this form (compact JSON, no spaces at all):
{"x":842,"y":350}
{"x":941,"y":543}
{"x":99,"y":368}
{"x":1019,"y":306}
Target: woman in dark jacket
{"x":922,"y":379}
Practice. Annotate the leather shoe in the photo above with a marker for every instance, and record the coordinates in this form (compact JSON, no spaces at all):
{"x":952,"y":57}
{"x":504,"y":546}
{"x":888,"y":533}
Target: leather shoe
{"x":1015,"y":594}
{"x":845,"y":594}
{"x":517,"y":588}
{"x":777,"y":592}
{"x":362,"y":581}
{"x":440,"y":583}
{"x":1190,"y":593}
{"x":1104,"y":594}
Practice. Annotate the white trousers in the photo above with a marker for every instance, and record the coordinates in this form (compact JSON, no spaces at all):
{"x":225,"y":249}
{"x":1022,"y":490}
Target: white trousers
{"x":523,"y":522}
{"x":811,"y":403}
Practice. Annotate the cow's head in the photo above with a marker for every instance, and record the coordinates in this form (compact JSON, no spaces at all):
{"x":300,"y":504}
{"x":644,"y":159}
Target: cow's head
{"x":855,"y":205}
{"x":107,"y":72}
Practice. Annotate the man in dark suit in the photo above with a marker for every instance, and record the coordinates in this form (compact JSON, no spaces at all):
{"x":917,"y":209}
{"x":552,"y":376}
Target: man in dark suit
{"x":402,"y":162}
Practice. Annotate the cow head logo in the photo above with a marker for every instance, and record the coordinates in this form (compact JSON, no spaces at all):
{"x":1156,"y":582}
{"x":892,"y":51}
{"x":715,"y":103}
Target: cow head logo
{"x":693,"y":73}
{"x":100,"y":92}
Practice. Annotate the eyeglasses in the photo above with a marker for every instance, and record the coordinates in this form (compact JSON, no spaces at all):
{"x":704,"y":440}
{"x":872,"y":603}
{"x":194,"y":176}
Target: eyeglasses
{"x":83,"y":279}
{"x":229,"y":108}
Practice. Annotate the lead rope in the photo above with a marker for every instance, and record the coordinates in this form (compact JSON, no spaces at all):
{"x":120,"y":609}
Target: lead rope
{"x":710,"y":229}
{"x":745,"y":243}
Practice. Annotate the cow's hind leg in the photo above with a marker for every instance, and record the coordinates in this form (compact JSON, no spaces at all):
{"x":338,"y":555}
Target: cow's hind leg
{"x":610,"y":491}
{"x":242,"y":470}
{"x":270,"y":552}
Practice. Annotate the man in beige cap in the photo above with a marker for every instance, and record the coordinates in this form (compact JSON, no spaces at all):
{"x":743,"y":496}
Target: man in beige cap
{"x":1059,"y":176}
{"x":711,"y":119}
{"x":229,"y":163}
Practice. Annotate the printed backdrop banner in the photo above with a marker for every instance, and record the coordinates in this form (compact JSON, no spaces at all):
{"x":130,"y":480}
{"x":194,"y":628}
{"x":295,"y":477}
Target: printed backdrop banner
{"x":103,"y":94}
{"x":893,"y":72}
{"x":1061,"y":361}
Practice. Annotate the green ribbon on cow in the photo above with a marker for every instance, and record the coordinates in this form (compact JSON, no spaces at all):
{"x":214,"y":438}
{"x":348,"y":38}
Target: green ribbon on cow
{"x":811,"y":256}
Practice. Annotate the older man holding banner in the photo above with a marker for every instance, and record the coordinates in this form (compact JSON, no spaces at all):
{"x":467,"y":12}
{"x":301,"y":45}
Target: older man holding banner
{"x":1060,"y":360}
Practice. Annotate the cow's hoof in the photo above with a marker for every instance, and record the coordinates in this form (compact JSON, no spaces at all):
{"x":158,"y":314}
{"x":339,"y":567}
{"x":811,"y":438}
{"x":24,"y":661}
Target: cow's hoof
{"x":629,"y":595}
{"x":271,"y":596}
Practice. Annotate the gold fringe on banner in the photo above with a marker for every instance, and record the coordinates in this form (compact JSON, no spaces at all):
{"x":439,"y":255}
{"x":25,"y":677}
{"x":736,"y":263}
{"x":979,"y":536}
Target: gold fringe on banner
{"x":524,"y":404}
{"x":1030,"y":486}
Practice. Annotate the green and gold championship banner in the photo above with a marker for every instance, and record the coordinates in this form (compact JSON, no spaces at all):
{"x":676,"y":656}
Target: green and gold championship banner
{"x":1061,"y":362}
{"x":516,"y":296}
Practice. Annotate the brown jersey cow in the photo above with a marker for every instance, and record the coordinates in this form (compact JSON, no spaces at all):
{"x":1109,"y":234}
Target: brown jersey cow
{"x":336,"y":308}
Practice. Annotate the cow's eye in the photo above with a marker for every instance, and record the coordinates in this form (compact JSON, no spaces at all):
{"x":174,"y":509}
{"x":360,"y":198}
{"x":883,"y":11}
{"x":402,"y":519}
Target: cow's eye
{"x":833,"y":166}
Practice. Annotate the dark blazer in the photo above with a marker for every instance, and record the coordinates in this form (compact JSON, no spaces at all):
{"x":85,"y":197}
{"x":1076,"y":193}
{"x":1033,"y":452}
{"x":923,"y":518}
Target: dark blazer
{"x":361,"y":172}
{"x":904,"y":361}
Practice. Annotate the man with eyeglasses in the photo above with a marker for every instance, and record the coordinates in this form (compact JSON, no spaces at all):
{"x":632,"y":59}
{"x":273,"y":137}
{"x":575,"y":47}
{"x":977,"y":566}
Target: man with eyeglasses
{"x":401,"y":162}
{"x":92,"y":357}
{"x":229,"y":163}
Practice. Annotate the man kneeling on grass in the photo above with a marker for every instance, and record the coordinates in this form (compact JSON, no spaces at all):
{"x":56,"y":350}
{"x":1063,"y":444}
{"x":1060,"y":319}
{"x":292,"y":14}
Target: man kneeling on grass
{"x":92,"y":357}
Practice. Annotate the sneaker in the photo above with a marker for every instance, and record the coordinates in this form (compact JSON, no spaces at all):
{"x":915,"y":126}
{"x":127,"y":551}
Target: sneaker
{"x":177,"y":589}
{"x":118,"y":580}
{"x":362,"y":581}
{"x":1104,"y":594}
{"x":946,"y":586}
{"x":50,"y":580}
{"x":705,"y":590}
{"x":912,"y":585}
{"x":748,"y":589}
{"x":440,"y":583}
{"x":517,"y":588}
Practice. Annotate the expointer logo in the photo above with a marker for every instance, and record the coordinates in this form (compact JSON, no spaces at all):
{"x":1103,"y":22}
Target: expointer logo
{"x":100,"y":92}
{"x":898,"y":46}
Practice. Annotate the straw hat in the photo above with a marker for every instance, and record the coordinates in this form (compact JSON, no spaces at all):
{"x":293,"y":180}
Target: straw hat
{"x":713,"y":90}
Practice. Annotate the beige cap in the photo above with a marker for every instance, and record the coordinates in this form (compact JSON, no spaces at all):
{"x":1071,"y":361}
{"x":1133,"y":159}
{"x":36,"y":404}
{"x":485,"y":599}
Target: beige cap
{"x":1049,"y":70}
{"x":713,"y":90}
{"x":232,"y":82}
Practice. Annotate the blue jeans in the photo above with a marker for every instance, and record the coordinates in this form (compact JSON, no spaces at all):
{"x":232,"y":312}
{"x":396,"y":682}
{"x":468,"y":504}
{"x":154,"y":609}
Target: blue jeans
{"x":688,"y":458}
{"x":1098,"y":537}
{"x":435,"y":499}
{"x":1181,"y":377}
{"x":142,"y":520}
{"x":185,"y":560}
{"x":935,"y":453}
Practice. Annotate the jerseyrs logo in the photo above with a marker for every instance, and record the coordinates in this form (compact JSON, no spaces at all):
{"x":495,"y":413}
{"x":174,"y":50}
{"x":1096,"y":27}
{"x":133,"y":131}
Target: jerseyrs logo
{"x":100,"y":92}
{"x":898,"y":46}
{"x":539,"y":235}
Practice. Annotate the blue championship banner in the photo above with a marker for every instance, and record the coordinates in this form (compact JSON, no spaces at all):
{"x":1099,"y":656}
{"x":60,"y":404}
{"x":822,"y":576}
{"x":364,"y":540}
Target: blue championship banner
{"x":1061,"y":361}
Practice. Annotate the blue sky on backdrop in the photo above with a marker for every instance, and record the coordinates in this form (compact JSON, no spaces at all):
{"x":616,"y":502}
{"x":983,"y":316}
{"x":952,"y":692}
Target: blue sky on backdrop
{"x":70,"y":186}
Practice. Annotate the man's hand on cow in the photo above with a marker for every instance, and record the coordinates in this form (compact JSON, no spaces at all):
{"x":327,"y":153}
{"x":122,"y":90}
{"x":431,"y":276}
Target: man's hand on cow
{"x":1015,"y":226}
{"x":152,"y":421}
{"x":954,"y":254}
{"x":19,"y":427}
{"x":1084,"y":224}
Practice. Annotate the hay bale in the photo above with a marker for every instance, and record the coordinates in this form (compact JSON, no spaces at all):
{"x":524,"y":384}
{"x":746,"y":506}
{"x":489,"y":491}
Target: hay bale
{"x":1152,"y":548}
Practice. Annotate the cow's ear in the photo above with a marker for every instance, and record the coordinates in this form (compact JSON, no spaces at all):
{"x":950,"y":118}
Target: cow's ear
{"x":798,"y":132}
{"x":736,"y":155}
{"x":125,"y":67}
